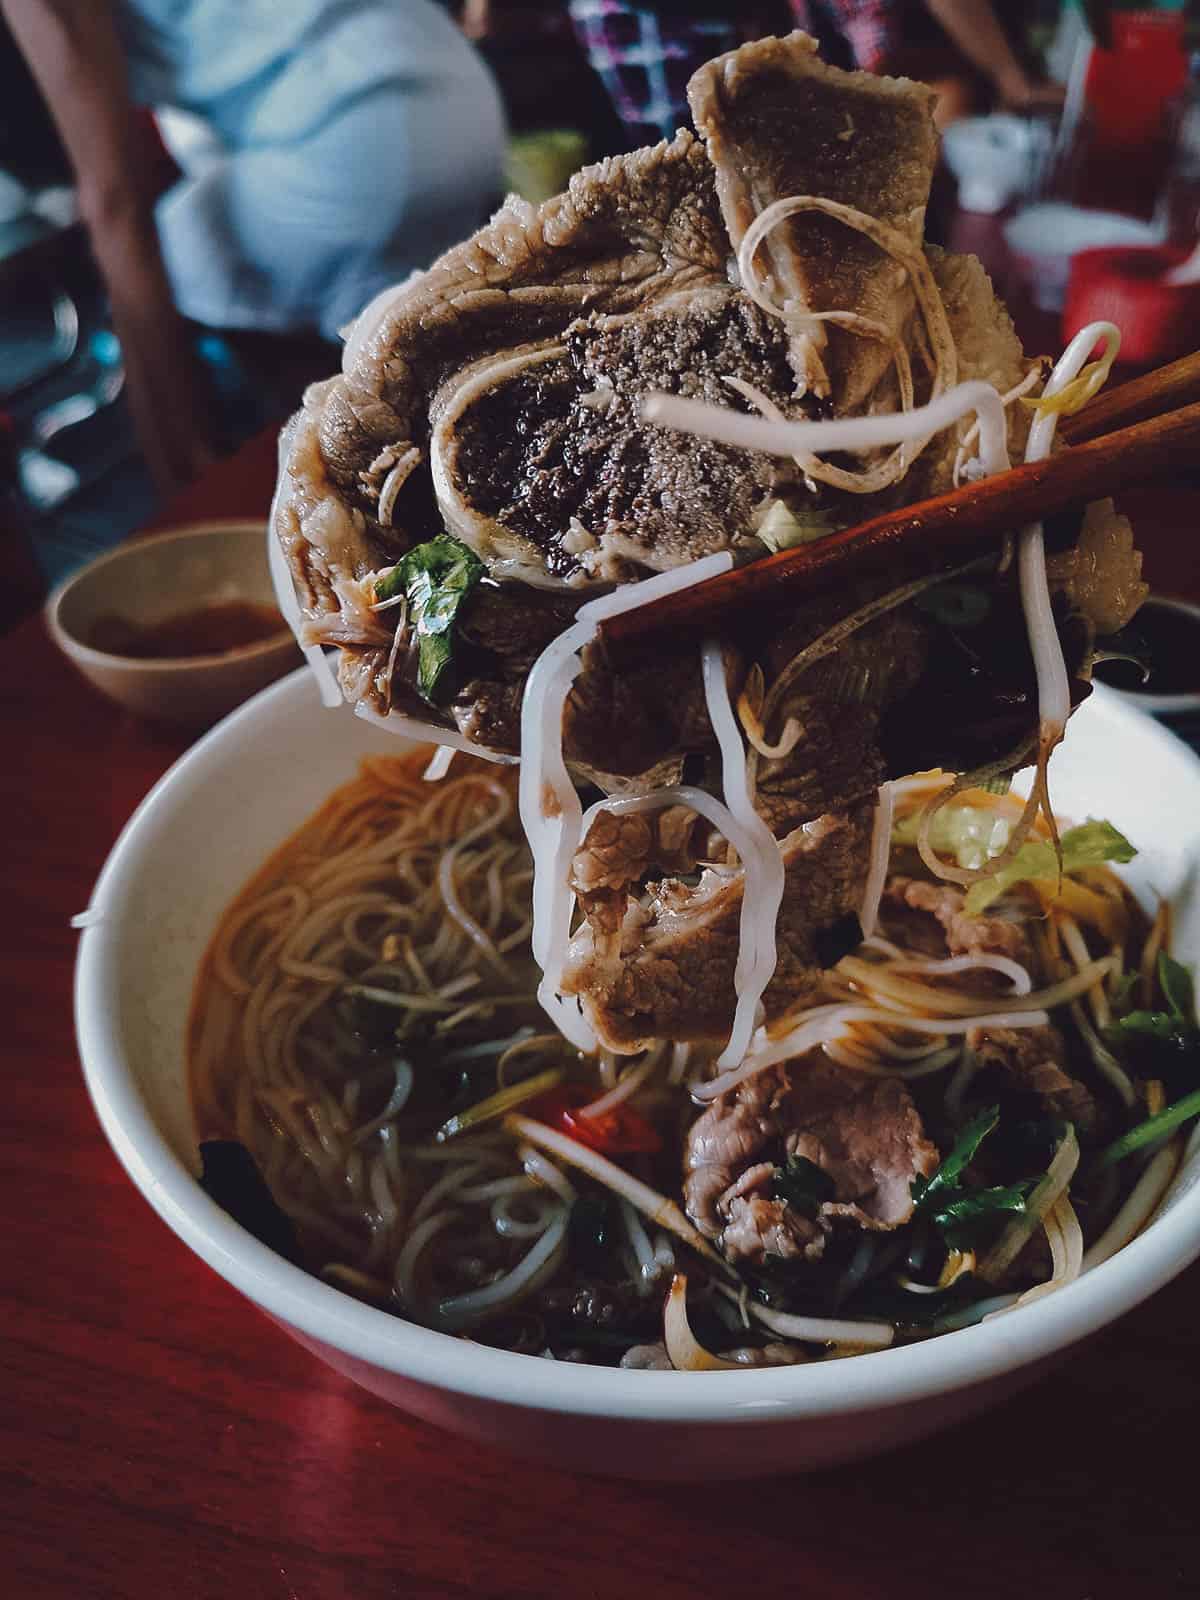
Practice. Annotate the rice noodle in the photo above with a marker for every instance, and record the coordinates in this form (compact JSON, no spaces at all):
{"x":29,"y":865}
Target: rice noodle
{"x":545,"y":1172}
{"x":826,"y":1022}
{"x":643,"y":1250}
{"x":550,"y":809}
{"x":414,"y":1245}
{"x":461,"y":1311}
{"x":1105,"y":1062}
{"x":758,"y":894}
{"x":877,"y":867}
{"x":1137,"y":1210}
{"x":1015,"y":1236}
{"x":1065,"y":1238}
{"x":762,"y":865}
{"x":980,"y":961}
{"x":396,"y":1102}
{"x":647,"y":1200}
{"x":868,"y":975}
{"x":432,"y":733}
{"x":509,"y":1226}
{"x":626,"y":1086}
{"x":1077,"y":949}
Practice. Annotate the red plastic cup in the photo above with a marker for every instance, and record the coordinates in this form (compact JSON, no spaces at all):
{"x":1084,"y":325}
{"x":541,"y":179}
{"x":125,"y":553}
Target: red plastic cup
{"x":1158,"y":321}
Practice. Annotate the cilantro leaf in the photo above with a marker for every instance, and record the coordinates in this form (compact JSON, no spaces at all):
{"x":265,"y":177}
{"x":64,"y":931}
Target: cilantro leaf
{"x":1153,"y":1024}
{"x":946,"y":1182}
{"x":965,"y":1222}
{"x":964,"y":1216}
{"x":1087,"y":845}
{"x":435,"y":578}
{"x":802,"y":1185}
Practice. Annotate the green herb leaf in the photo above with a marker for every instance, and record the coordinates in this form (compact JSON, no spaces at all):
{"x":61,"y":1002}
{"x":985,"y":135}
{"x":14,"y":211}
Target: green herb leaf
{"x":965,"y":1222}
{"x":436,"y":578}
{"x":1162,"y":1044}
{"x":1154,"y":1024}
{"x":1087,"y":845}
{"x":1153,"y":1128}
{"x":802,"y":1185}
{"x":946,"y":1181}
{"x":1176,"y":983}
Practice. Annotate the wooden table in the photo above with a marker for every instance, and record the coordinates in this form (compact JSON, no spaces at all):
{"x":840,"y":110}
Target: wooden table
{"x":162,"y":1441}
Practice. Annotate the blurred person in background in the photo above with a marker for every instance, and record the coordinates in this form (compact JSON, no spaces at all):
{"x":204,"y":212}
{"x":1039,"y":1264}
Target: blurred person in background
{"x":328,"y":148}
{"x":645,"y":50}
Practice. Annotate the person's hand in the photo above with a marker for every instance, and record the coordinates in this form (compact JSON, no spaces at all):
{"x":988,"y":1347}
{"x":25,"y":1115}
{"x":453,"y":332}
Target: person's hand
{"x":1023,"y":93}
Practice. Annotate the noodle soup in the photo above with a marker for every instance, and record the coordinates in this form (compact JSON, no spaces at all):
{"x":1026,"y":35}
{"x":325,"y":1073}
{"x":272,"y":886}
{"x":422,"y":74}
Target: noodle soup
{"x":961,"y":1120}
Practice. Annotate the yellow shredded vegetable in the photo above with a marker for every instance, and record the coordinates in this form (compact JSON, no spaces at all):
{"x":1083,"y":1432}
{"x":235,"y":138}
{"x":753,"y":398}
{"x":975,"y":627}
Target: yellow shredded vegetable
{"x":1073,"y":396}
{"x":1098,"y":911}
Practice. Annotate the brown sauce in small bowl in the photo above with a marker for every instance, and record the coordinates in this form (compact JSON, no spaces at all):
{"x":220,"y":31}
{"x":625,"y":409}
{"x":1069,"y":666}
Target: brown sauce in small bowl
{"x":207,"y":631}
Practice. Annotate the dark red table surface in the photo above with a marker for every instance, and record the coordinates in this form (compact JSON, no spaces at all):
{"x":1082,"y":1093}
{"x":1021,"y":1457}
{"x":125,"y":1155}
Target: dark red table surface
{"x":162,"y":1439}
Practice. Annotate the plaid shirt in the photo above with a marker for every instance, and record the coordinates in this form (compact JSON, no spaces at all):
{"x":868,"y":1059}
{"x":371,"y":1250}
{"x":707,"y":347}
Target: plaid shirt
{"x":645,"y":54}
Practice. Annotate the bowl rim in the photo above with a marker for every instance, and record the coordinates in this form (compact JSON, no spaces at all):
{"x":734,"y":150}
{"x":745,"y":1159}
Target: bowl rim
{"x":110,"y":660}
{"x":903,"y":1374}
{"x":1189,"y":699}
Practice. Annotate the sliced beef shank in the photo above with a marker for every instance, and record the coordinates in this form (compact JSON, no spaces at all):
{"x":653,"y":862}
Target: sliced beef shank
{"x":667,"y":973}
{"x":863,"y":1132}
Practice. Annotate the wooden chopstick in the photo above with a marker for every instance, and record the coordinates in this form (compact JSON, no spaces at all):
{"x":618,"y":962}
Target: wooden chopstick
{"x":1165,"y":389}
{"x":920,"y":538}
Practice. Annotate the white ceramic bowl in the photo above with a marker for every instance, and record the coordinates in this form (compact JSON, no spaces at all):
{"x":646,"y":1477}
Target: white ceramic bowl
{"x":209,"y":824}
{"x":1047,"y":236}
{"x":150,"y":579}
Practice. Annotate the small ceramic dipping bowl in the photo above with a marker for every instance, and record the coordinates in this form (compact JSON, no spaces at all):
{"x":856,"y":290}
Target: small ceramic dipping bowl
{"x":178,"y":626}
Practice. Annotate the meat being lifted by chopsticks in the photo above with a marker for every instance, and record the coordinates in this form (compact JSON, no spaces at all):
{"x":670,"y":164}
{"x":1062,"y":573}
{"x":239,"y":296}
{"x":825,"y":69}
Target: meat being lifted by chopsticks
{"x":774,"y":265}
{"x":498,"y":394}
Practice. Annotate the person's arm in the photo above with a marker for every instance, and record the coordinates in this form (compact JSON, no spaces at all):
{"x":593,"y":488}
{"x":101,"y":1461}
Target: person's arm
{"x":972,"y":26}
{"x":74,"y":53}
